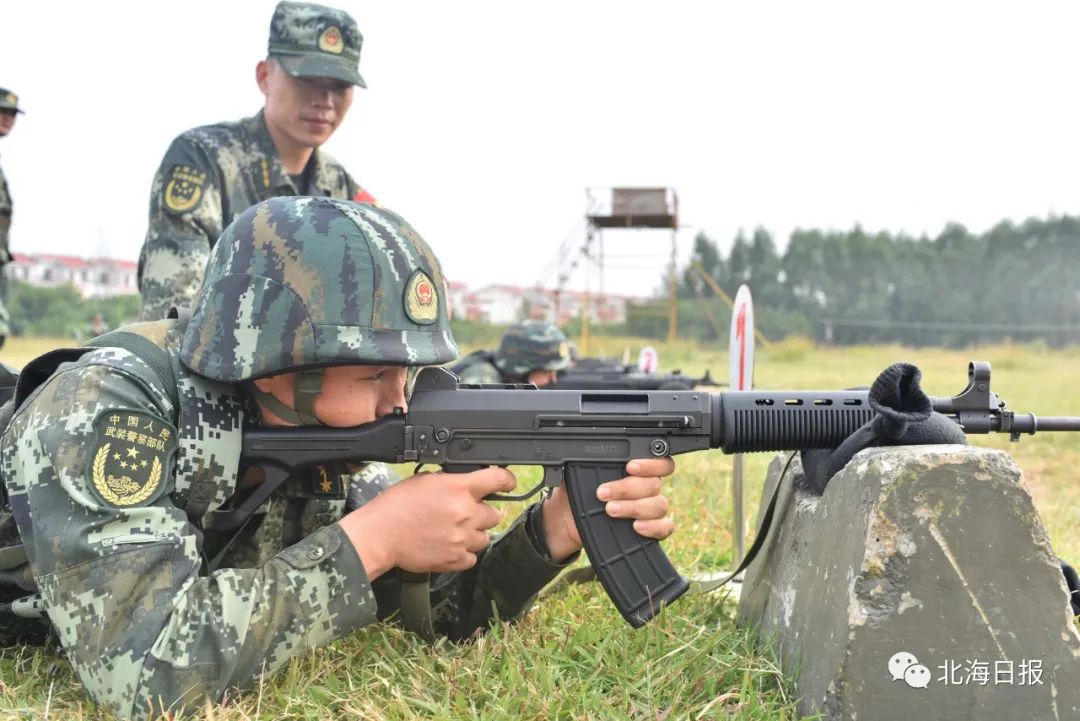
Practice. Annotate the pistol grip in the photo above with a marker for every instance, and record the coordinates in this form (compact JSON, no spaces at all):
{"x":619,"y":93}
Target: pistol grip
{"x":633,"y":569}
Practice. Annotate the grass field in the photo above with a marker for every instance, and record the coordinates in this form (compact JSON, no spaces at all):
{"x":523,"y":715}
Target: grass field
{"x":573,"y":657}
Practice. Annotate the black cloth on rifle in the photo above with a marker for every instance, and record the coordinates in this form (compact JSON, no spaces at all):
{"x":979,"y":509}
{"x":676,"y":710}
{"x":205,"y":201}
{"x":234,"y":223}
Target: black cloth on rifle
{"x":904,"y":417}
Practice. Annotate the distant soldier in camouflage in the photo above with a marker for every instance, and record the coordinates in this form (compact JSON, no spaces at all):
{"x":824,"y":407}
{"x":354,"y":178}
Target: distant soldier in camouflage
{"x":212,"y":174}
{"x":9,"y":108}
{"x":119,"y":467}
{"x":530,"y":352}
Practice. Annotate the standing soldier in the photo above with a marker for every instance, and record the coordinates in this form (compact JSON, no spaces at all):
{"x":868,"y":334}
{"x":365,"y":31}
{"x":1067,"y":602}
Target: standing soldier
{"x":212,"y":174}
{"x":9,"y":108}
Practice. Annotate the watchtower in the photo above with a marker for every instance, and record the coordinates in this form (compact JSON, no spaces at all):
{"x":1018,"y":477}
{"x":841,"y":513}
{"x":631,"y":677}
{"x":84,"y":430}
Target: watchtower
{"x":630,"y":208}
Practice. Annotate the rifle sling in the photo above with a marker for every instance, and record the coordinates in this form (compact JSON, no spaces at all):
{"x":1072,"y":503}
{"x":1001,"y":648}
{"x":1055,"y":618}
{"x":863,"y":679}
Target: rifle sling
{"x":585,"y":574}
{"x":759,"y":539}
{"x":235,"y":518}
{"x":416,"y":604}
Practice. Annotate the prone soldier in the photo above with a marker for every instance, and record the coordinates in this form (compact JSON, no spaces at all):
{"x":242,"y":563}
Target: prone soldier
{"x":118,"y":466}
{"x":533,"y":351}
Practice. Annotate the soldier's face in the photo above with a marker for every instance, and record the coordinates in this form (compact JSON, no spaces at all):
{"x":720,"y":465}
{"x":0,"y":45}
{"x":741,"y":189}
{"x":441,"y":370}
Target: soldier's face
{"x":305,"y":110}
{"x":541,"y":378}
{"x":351,"y":395}
{"x":7,"y":121}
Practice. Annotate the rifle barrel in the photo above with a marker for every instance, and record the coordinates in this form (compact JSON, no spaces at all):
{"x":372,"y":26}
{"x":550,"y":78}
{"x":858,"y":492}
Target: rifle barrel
{"x":1057,"y":423}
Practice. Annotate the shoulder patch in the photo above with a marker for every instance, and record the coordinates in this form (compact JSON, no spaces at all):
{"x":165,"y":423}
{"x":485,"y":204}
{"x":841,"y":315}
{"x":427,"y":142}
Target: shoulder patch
{"x":183,"y":189}
{"x":421,"y":299}
{"x":132,"y":461}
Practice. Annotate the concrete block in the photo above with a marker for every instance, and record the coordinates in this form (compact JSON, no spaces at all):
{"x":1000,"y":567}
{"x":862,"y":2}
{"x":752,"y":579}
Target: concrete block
{"x":921,"y":585}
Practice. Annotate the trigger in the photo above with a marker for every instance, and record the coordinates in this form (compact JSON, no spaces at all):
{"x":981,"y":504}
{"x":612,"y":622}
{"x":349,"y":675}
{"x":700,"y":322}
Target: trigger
{"x":553,"y":476}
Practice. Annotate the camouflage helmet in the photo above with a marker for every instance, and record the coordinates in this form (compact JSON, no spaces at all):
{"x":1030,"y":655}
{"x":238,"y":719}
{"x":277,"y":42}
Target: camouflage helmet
{"x":300,"y":283}
{"x":532,"y":345}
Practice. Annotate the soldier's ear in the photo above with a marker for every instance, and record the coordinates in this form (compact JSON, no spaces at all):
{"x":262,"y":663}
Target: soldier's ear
{"x":262,"y":74}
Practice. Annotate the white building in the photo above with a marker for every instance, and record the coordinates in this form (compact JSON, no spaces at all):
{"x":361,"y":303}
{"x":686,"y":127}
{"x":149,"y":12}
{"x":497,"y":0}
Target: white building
{"x":506,"y":304}
{"x":498,"y":304}
{"x":456,"y":292}
{"x":92,"y":277}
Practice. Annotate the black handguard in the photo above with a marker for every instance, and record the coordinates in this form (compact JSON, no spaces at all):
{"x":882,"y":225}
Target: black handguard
{"x":585,"y":438}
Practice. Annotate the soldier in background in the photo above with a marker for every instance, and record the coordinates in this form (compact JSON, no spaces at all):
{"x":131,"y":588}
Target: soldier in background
{"x":117,"y":466}
{"x":9,"y":108}
{"x":533,"y":351}
{"x":213,"y":173}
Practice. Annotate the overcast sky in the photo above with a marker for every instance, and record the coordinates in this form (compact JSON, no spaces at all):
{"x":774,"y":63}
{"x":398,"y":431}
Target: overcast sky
{"x":484,"y":122}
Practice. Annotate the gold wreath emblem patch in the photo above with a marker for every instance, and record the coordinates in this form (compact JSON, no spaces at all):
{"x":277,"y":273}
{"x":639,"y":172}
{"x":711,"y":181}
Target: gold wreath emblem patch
{"x":330,"y":41}
{"x":421,"y":299}
{"x":184,"y":189}
{"x":131,"y":462}
{"x":123,"y":490}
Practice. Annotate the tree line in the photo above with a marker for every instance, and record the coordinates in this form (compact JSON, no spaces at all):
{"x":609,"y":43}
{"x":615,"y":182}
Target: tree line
{"x":62,"y":313}
{"x":1015,"y":281}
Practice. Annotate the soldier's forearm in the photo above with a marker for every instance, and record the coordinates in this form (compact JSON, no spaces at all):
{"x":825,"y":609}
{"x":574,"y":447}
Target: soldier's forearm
{"x":505,"y":581}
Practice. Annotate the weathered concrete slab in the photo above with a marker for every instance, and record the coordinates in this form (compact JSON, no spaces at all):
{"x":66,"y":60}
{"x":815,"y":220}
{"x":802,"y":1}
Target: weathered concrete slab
{"x":933,"y":553}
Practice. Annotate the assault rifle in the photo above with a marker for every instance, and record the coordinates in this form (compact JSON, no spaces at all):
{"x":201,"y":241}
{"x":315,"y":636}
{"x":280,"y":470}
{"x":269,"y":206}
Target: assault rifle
{"x":585,"y":438}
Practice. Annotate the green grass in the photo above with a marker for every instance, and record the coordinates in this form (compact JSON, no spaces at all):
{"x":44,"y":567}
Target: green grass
{"x":573,"y":657}
{"x":18,"y":351}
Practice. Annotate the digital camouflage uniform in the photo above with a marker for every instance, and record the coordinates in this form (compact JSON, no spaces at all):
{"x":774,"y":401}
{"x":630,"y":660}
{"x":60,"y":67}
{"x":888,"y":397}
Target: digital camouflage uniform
{"x":525,"y":347}
{"x":211,"y":174}
{"x":114,"y":489}
{"x":8,"y":102}
{"x":479,"y":367}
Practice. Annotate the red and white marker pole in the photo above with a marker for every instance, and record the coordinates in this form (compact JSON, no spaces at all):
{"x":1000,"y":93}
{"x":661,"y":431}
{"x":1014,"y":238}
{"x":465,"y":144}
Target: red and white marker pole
{"x":740,"y":378}
{"x":648,"y":360}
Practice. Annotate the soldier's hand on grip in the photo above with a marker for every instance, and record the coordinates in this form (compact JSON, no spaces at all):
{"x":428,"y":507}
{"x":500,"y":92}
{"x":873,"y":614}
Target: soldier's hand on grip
{"x":432,"y":522}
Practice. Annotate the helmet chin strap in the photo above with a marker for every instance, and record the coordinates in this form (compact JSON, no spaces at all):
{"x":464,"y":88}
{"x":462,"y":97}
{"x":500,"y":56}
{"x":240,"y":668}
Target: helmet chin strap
{"x":307,"y":386}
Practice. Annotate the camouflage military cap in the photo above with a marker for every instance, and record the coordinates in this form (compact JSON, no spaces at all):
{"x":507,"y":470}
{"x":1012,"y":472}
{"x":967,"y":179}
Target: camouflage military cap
{"x":297,"y":282}
{"x":314,"y":41}
{"x":9,"y":100}
{"x":532,"y":345}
